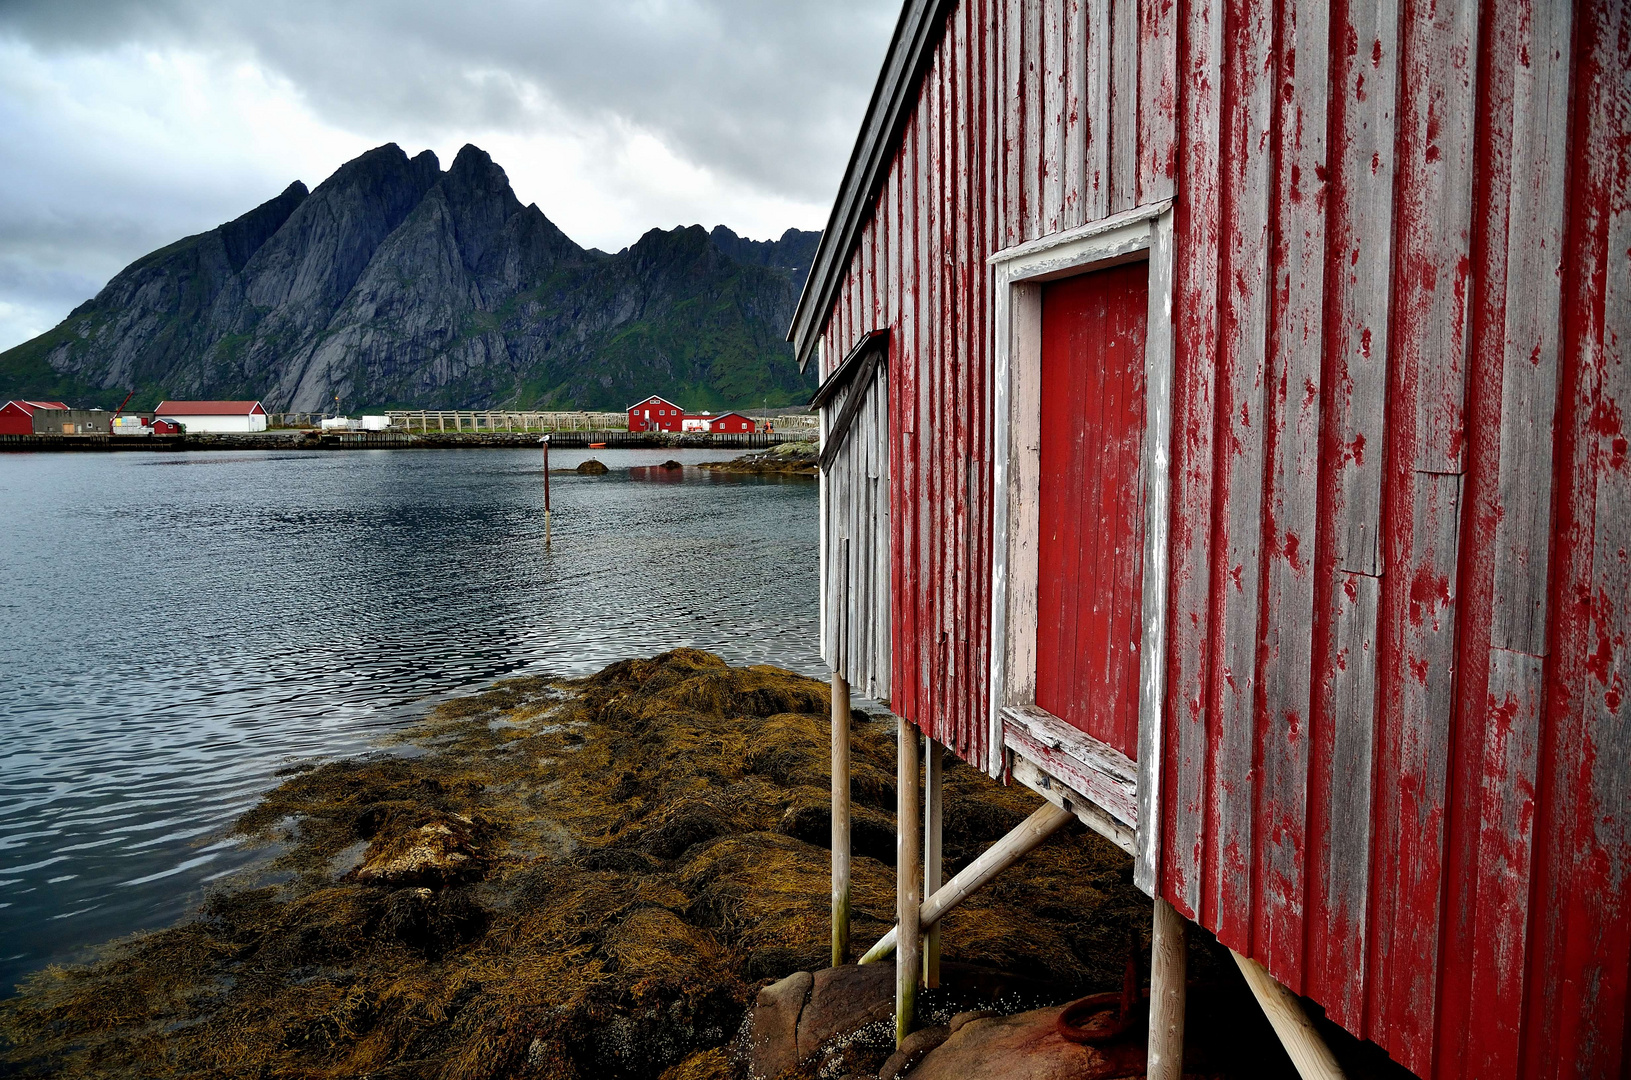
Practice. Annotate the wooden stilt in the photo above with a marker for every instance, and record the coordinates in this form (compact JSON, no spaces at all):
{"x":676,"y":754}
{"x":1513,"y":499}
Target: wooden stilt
{"x":908,"y":881}
{"x":840,"y":820}
{"x":996,"y":858}
{"x":1169,"y":961}
{"x":1297,"y":1033}
{"x":933,"y":766}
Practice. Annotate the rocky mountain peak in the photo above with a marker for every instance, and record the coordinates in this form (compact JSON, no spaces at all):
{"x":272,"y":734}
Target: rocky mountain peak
{"x":395,"y":283}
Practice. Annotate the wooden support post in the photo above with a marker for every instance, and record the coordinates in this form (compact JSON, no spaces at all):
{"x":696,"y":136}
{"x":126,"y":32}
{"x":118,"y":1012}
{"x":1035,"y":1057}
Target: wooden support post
{"x":908,"y":880}
{"x":995,"y":859}
{"x":1297,"y":1033}
{"x":1169,"y":962}
{"x":840,"y":820}
{"x":933,"y":766}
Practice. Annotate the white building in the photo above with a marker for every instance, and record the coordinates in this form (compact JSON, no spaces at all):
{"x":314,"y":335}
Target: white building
{"x":214,"y":417}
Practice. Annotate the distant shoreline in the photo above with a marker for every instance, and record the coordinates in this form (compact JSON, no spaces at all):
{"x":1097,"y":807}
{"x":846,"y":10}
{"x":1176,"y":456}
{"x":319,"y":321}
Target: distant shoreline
{"x":393,"y":440}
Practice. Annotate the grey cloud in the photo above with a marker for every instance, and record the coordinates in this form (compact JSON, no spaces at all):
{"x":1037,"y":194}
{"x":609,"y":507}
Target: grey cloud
{"x":769,"y":93}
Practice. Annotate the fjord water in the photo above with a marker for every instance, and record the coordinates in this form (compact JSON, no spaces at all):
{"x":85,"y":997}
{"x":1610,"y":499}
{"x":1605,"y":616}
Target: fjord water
{"x":176,"y":628}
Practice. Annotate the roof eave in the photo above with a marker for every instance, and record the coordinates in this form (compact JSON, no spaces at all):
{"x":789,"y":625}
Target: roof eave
{"x":917,"y":32}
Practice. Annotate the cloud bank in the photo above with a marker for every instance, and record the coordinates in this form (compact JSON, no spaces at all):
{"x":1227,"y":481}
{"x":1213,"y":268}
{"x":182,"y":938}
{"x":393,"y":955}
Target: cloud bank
{"x":132,"y":124}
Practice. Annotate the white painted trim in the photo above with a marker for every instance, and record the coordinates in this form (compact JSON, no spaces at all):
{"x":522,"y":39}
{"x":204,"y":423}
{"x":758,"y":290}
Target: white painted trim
{"x":1093,"y":229}
{"x":1018,"y":273}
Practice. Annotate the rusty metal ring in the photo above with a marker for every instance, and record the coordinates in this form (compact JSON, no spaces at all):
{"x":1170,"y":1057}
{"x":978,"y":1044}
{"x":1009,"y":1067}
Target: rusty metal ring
{"x":1096,"y":1019}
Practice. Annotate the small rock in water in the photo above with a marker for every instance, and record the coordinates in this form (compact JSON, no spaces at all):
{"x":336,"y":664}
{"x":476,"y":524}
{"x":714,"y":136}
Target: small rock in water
{"x":592,"y":468}
{"x":671,"y":464}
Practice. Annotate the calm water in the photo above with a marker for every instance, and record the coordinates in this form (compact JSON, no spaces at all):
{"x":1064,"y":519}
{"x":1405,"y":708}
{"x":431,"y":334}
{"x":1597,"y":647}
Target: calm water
{"x":175,"y":628}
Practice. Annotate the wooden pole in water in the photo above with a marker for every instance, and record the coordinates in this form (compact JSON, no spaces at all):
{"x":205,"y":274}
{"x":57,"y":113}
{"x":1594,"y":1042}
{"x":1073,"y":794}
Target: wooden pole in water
{"x":840,"y":819}
{"x":545,"y":441}
{"x":1169,"y":960}
{"x":933,"y":766}
{"x":908,"y":881}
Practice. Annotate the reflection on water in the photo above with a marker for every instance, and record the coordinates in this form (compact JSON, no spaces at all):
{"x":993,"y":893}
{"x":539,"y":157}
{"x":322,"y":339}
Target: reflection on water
{"x":177,"y":627}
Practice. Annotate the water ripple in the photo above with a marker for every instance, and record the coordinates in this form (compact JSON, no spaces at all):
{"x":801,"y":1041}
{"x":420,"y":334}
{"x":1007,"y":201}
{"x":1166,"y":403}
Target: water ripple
{"x":176,"y":628}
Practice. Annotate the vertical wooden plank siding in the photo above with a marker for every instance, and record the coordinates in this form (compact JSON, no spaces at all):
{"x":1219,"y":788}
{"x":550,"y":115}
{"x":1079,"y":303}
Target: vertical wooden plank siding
{"x":1196,"y":298}
{"x":1242,"y":316}
{"x":1396,"y":723}
{"x":1291,"y":501}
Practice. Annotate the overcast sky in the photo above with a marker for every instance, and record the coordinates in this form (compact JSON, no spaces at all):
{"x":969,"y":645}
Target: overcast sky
{"x":127,"y":124}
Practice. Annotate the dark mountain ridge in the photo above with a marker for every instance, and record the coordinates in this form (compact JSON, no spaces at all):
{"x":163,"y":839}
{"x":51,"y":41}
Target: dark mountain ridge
{"x":393,"y":283}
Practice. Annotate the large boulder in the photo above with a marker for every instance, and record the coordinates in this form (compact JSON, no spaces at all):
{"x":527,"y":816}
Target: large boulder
{"x":773,"y":1046}
{"x":843,"y":999}
{"x":1026,"y":1046}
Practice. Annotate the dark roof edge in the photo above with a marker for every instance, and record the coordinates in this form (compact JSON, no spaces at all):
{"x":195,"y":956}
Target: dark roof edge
{"x":852,"y":364}
{"x":916,"y":34}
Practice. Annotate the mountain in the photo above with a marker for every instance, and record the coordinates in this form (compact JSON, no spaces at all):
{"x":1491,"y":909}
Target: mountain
{"x":394,"y":283}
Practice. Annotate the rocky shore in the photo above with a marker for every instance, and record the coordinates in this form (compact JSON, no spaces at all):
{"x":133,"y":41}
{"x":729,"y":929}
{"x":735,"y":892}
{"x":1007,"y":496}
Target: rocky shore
{"x":603,"y":877}
{"x":788,"y":459}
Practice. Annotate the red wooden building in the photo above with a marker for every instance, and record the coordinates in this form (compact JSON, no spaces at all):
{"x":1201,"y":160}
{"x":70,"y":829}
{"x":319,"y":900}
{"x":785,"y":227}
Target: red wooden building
{"x":17,"y":417}
{"x":732,"y":422}
{"x":655,"y":414}
{"x":1222,"y":411}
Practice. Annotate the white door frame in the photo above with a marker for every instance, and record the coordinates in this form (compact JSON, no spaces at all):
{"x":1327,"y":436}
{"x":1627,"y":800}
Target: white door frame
{"x":1041,"y":750}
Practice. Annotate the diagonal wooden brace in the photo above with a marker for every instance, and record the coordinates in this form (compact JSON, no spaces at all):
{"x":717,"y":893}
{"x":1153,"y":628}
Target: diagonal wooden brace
{"x":998,"y":857}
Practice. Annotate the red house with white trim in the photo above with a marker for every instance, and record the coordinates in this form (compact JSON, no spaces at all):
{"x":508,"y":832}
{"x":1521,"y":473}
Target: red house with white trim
{"x":655,"y":414}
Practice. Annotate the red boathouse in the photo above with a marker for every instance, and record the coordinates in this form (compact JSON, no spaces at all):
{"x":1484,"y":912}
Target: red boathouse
{"x":1223,"y":433}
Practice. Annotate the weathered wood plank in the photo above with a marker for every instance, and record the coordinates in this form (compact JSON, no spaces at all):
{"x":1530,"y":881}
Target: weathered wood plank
{"x":1035,"y":117}
{"x":1011,"y":145}
{"x":1094,"y":768}
{"x":1064,"y":796}
{"x":1095,"y":53}
{"x":1432,"y":227}
{"x":1053,"y":76}
{"x":1602,"y":902}
{"x":1122,"y":136}
{"x":1237,"y":575}
{"x":1505,"y":840}
{"x":1534,"y":282}
{"x":1157,"y":171}
{"x":1079,"y":133}
{"x":1156,"y":467}
{"x":1366,"y":84}
{"x":1291,"y":522}
{"x":1195,"y":332}
{"x":1419,"y":624}
{"x":1353,"y":706}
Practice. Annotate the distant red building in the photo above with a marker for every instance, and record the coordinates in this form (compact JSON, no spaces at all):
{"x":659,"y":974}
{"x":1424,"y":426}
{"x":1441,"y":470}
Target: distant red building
{"x":733,"y":422}
{"x":655,"y":414}
{"x":17,"y":417}
{"x":659,"y":414}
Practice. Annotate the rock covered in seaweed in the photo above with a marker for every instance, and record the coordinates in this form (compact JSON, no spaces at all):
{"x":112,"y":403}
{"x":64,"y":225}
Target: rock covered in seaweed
{"x":629,"y":878}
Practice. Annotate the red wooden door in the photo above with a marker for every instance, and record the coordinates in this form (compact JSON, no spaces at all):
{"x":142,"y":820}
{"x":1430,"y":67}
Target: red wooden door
{"x":1092,"y":507}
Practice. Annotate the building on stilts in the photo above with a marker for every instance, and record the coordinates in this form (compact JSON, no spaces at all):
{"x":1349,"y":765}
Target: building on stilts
{"x":1222,"y":407}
